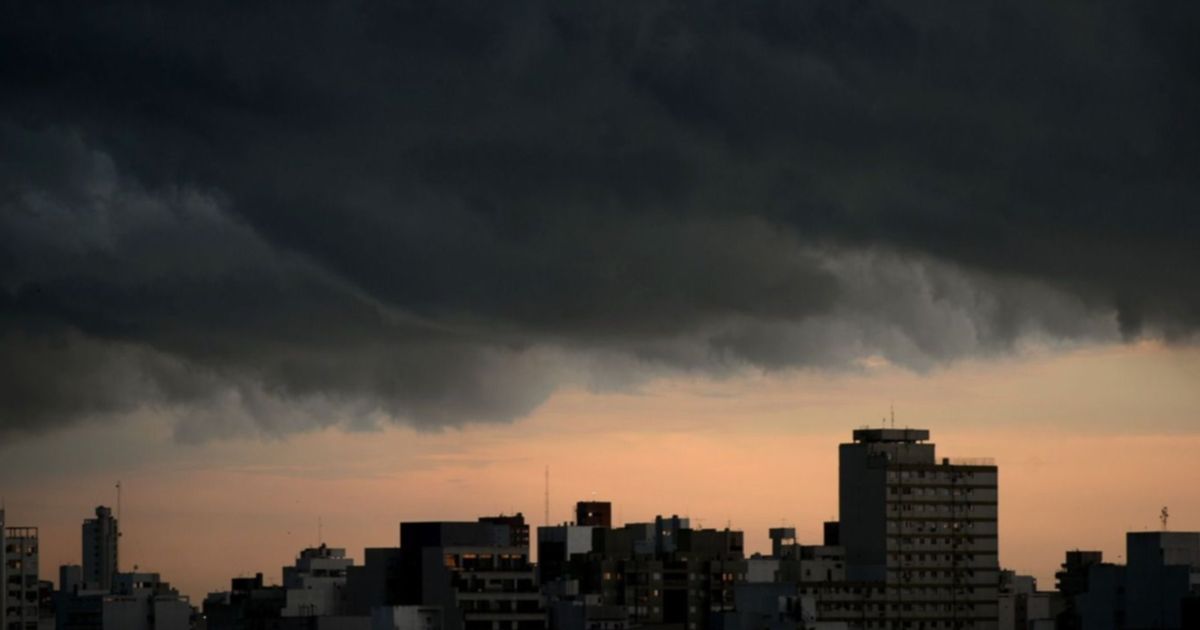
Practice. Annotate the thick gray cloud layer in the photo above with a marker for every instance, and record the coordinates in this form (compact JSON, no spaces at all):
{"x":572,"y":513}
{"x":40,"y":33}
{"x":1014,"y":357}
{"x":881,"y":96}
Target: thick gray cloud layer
{"x":273,"y":218}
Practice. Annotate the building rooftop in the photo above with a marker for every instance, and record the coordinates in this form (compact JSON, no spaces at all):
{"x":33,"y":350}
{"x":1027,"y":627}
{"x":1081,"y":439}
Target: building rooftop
{"x":891,"y":435}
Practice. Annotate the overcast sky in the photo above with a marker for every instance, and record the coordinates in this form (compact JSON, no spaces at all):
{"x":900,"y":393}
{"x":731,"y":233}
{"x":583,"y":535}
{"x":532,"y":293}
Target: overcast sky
{"x":229,"y":227}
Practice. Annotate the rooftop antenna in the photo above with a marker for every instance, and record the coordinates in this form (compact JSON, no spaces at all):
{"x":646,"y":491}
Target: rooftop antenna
{"x":319,"y":531}
{"x":1163,"y":516}
{"x":892,"y":407}
{"x":117,"y":560}
{"x":546,"y":516}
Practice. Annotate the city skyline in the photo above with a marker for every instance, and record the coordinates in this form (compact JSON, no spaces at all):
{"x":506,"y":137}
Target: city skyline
{"x":1032,"y":546}
{"x":331,"y":267}
{"x":931,"y":500}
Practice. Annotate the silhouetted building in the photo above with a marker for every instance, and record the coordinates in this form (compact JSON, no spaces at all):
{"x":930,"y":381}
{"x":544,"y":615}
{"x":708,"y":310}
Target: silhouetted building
{"x":100,"y":545}
{"x":665,"y":572}
{"x":473,"y":572}
{"x":1072,"y":578}
{"x":559,"y":546}
{"x":518,"y":530}
{"x":915,"y":545}
{"x":70,"y":578}
{"x":1163,"y":571}
{"x":1071,"y":581}
{"x":923,"y":530}
{"x":247,"y":605}
{"x":19,"y":577}
{"x":782,"y":539}
{"x":1102,"y":607}
{"x":813,"y":567}
{"x":1023,"y":607}
{"x":376,"y":583}
{"x":136,"y":601}
{"x":832,"y":534}
{"x":1157,"y":589}
{"x":315,"y":584}
{"x":593,"y":514}
{"x":315,"y":595}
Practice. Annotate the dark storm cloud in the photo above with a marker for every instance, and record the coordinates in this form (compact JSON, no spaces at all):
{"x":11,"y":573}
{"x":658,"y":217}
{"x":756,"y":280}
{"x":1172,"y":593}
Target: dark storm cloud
{"x":270,"y":218}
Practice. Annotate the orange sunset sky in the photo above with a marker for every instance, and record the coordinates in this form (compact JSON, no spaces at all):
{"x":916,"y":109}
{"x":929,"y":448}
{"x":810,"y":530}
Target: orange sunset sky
{"x":1091,"y":443}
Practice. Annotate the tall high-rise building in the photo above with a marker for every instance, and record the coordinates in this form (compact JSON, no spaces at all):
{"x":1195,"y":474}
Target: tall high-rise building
{"x":926,"y":530}
{"x":18,"y":577}
{"x":100,"y":542}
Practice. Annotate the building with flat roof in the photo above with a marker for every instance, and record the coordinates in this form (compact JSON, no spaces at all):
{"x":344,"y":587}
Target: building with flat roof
{"x":593,"y":513}
{"x":1071,"y":581}
{"x":1163,"y":570}
{"x":518,"y":529}
{"x":559,"y":546}
{"x":473,"y":572}
{"x":315,"y":584}
{"x":136,"y":601}
{"x":922,"y":528}
{"x":665,"y":573}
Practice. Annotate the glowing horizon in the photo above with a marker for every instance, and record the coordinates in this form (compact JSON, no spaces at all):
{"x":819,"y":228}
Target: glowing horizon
{"x":753,"y":452}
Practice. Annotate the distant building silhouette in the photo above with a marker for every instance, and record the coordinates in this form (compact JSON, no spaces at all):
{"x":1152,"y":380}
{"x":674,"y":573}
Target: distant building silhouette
{"x":1071,"y":581}
{"x":1158,"y":588}
{"x":70,"y":578}
{"x":833,"y":533}
{"x":518,"y":530}
{"x":659,"y":574}
{"x":559,"y":546}
{"x":1023,"y":607}
{"x":316,"y":582}
{"x":314,"y":595}
{"x":925,"y":530}
{"x":473,"y":572}
{"x":100,"y":549}
{"x":593,"y":514}
{"x":20,"y":598}
{"x":136,"y":601}
{"x":915,"y":546}
{"x":248,"y":604}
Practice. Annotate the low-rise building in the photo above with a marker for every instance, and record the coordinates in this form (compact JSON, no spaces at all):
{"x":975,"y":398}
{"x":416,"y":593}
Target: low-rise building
{"x":1023,"y":607}
{"x":136,"y":601}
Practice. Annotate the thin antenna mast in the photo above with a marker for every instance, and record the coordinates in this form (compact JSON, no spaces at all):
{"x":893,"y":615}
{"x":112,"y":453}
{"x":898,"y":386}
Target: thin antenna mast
{"x":117,"y":560}
{"x":319,"y":532}
{"x":1163,"y":516}
{"x":892,"y":407}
